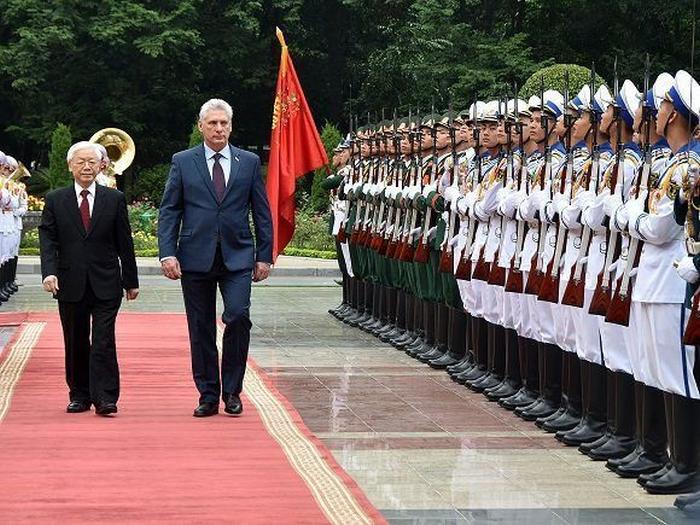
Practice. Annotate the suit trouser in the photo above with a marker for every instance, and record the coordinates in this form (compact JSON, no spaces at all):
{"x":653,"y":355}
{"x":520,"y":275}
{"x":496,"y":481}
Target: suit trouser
{"x":92,"y":371}
{"x":199,"y":292}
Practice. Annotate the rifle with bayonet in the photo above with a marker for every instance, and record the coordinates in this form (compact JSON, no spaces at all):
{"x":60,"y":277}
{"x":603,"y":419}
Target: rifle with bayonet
{"x":497,"y":276}
{"x":536,"y":276}
{"x":392,"y":168}
{"x":341,"y":236}
{"x":402,"y":182}
{"x":549,"y":290}
{"x":378,"y":224}
{"x":575,"y":289}
{"x":407,"y":250}
{"x":621,"y":302}
{"x":603,"y":291}
{"x":446,"y":255}
{"x":464,"y":268}
{"x":514,"y":282}
{"x":423,"y":250}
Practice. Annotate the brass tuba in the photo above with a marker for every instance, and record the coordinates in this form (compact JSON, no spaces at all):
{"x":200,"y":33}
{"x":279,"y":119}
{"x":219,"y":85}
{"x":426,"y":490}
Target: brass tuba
{"x":120,"y":148}
{"x":20,"y":173}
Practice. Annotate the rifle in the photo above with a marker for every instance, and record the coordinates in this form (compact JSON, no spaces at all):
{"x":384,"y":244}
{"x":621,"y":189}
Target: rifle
{"x":423,"y":250}
{"x":574,"y":292}
{"x":691,"y":335}
{"x":549,"y":290}
{"x":446,"y":257}
{"x":370,"y":210}
{"x":621,"y":303}
{"x":514,"y":283}
{"x":464,"y":269}
{"x":392,"y":169}
{"x":375,"y":240}
{"x":497,"y":276}
{"x":407,"y":251}
{"x":401,"y":181}
{"x":341,"y":236}
{"x":603,"y":291}
{"x":534,"y":280}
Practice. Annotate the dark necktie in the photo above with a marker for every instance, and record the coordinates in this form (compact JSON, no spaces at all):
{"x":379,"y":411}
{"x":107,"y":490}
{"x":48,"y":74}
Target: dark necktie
{"x":219,"y":180}
{"x":85,"y":209}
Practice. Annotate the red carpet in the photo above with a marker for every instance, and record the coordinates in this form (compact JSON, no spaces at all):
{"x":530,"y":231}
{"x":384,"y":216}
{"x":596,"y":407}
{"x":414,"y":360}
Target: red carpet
{"x":153,"y":462}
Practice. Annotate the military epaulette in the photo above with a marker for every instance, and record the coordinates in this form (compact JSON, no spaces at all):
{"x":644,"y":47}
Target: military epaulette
{"x":633,"y":157}
{"x":658,"y":153}
{"x":694,"y":157}
{"x":558,"y":154}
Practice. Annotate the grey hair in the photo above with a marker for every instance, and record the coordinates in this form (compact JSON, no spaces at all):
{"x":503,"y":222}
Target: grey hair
{"x":215,"y":104}
{"x":103,"y":152}
{"x":11,"y":162}
{"x":83,"y":144}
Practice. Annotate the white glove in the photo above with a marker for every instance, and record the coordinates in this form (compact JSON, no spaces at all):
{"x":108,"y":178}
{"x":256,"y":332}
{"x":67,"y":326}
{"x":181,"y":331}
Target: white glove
{"x":454,"y":240}
{"x":686,"y":269}
{"x":431,"y":233}
{"x":634,"y":272}
{"x":511,"y":203}
{"x":621,"y":218}
{"x":560,"y":202}
{"x":614,"y":266}
{"x":451,"y":192}
{"x":415,"y":233}
{"x":428,"y":189}
{"x":610,"y":204}
{"x":537,"y":199}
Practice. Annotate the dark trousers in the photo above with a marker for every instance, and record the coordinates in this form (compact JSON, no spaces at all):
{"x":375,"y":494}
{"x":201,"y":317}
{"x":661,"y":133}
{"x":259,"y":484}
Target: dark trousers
{"x":199,"y":292}
{"x":92,"y":371}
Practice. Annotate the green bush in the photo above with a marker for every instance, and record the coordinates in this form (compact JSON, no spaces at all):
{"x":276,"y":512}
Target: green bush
{"x":143,"y":217}
{"x":195,"y":136}
{"x":554,"y":78}
{"x":30,"y":239}
{"x":311,"y":233}
{"x":150,"y":183}
{"x":57,"y":174}
{"x":303,"y":252}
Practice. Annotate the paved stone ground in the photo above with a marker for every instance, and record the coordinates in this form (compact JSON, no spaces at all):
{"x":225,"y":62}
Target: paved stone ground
{"x":424,"y":449}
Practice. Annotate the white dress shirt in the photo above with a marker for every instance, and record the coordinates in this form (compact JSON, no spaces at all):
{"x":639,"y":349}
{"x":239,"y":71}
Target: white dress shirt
{"x":225,"y":161}
{"x":90,"y":197}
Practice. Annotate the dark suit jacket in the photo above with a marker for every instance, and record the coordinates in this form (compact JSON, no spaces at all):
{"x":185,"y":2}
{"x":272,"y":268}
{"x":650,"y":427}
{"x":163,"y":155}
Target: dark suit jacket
{"x":74,"y":255}
{"x":192,"y":222}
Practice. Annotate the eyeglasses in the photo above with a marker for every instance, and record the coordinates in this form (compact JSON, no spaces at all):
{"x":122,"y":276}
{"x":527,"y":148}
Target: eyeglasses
{"x":91,"y":163}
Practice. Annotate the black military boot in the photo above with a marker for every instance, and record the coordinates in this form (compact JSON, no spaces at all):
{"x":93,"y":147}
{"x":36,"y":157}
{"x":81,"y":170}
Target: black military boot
{"x":468,"y":359}
{"x":428,"y":340}
{"x":623,"y":440}
{"x":528,"y":392}
{"x":689,"y":502}
{"x":352,"y":301}
{"x":480,"y":342}
{"x":511,"y":381}
{"x":344,"y":303}
{"x":442,"y":317}
{"x":570,"y":417}
{"x":397,"y":316}
{"x":682,"y":476}
{"x":653,"y":439}
{"x":359,"y":296}
{"x":409,"y":334}
{"x":373,"y":304}
{"x":594,"y":402}
{"x":550,"y":384}
{"x":496,"y":359}
{"x":456,"y":327}
{"x":585,"y":447}
{"x":13,"y":276}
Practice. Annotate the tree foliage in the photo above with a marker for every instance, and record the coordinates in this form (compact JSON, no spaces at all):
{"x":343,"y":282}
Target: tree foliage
{"x":146,"y":66}
{"x":554,"y":77}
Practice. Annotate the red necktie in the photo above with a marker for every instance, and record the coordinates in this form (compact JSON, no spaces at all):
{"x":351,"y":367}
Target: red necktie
{"x":85,"y":209}
{"x":218,"y":176}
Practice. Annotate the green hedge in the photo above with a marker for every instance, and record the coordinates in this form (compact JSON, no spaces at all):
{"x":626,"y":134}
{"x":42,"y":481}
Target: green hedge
{"x":554,"y":78}
{"x":303,"y":252}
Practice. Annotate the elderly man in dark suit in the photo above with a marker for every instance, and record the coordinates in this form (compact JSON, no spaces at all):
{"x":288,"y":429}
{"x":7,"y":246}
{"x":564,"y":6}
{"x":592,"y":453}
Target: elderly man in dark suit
{"x":84,"y":236}
{"x":204,"y":239}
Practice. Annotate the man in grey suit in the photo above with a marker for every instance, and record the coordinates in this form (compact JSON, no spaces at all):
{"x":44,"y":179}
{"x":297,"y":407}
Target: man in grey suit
{"x":204,"y":239}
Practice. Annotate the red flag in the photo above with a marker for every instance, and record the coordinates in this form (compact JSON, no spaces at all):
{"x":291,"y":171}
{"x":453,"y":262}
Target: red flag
{"x":295,"y":149}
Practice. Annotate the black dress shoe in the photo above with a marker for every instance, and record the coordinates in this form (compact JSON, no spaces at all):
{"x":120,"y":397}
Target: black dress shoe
{"x":566,"y":421}
{"x":591,"y":430}
{"x":644,"y":463}
{"x":233,"y":405}
{"x":646,"y":478}
{"x":206,"y":410}
{"x":617,"y":447}
{"x":674,"y":481}
{"x":105,"y":409}
{"x":687,"y":499}
{"x":75,"y":407}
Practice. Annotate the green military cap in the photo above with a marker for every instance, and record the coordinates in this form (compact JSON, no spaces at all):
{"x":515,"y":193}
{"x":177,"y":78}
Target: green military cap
{"x":443,"y":121}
